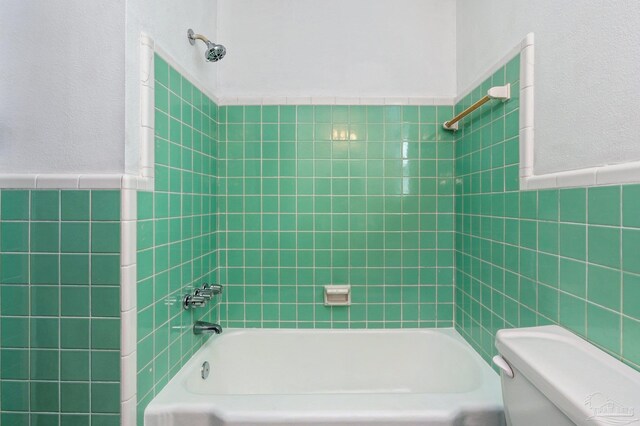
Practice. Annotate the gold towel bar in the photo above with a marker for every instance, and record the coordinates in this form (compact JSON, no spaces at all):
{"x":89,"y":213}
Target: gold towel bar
{"x":497,"y":92}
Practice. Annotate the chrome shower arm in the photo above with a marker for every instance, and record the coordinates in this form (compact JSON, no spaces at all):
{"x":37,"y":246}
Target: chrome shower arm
{"x":193,"y":37}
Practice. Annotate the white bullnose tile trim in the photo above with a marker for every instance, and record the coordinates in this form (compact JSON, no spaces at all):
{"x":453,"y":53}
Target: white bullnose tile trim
{"x":128,"y":412}
{"x":618,"y":173}
{"x":128,"y":367}
{"x":610,"y":174}
{"x":333,"y":100}
{"x":74,"y":181}
{"x":147,"y":108}
{"x":128,"y":301}
{"x":18,"y":181}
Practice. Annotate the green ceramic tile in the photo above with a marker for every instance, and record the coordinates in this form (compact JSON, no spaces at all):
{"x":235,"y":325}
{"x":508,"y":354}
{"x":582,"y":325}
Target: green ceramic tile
{"x":175,"y":81}
{"x":604,"y":286}
{"x":105,"y":302}
{"x":573,"y":313}
{"x":548,"y":237}
{"x":45,"y":237}
{"x":14,"y":268}
{"x":14,"y":332}
{"x":604,"y":205}
{"x":573,"y":241}
{"x":603,"y":327}
{"x":604,"y":246}
{"x":548,"y":205}
{"x":74,"y":237}
{"x":105,"y":365}
{"x":74,"y":269}
{"x":75,"y":205}
{"x":573,"y":207}
{"x":630,"y":245}
{"x":14,"y":236}
{"x":44,"y":332}
{"x":74,"y":397}
{"x":573,"y":277}
{"x":44,"y":396}
{"x":74,"y":301}
{"x":631,"y":340}
{"x":45,"y":205}
{"x":161,"y":70}
{"x":548,"y":302}
{"x":44,"y":268}
{"x":9,"y":294}
{"x":45,"y":300}
{"x":105,"y":205}
{"x":105,"y":237}
{"x":14,"y":205}
{"x":14,"y":364}
{"x":631,"y":205}
{"x":74,"y":365}
{"x":17,"y":419}
{"x":44,"y":364}
{"x":105,"y":269}
{"x":15,"y":395}
{"x":528,"y":204}
{"x":631,"y":292}
{"x":105,"y":397}
{"x":105,"y":333}
{"x":74,"y":333}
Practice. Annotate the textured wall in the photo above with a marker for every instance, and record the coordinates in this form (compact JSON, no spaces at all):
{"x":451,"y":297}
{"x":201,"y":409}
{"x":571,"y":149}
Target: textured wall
{"x":526,"y":258}
{"x":62,"y":87}
{"x":355,"y":48}
{"x":585,"y":90}
{"x":359,"y":195}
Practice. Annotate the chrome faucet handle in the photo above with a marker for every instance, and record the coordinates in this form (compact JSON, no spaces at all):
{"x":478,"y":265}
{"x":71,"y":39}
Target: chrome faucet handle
{"x":193,"y":301}
{"x":208,"y":291}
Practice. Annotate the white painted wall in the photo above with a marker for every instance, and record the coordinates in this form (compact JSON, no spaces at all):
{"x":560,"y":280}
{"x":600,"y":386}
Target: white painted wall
{"x":167,"y":22}
{"x":344,"y":48}
{"x":587,"y":90}
{"x":62,"y":86}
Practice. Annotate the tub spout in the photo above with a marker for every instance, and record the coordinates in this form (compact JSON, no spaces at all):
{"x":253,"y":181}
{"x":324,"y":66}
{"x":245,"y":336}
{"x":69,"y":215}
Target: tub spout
{"x":202,"y":327}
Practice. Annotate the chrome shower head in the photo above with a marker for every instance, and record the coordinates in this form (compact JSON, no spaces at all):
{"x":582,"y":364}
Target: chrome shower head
{"x":214,"y":52}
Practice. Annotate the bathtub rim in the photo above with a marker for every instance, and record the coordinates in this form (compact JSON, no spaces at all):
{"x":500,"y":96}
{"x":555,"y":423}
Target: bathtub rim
{"x":372,"y":406}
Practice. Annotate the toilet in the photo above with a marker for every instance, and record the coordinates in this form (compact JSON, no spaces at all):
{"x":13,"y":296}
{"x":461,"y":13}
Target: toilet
{"x":551,"y":377}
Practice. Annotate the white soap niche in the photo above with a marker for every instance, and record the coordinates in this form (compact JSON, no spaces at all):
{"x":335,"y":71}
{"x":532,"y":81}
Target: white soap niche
{"x":337,"y":295}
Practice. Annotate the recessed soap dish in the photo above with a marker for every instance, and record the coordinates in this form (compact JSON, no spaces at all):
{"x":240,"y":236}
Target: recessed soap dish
{"x":337,"y":295}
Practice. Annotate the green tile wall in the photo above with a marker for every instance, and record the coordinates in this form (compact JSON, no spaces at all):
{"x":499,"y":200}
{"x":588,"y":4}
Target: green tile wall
{"x":525,"y":258}
{"x":59,"y":307}
{"x":176,"y":235}
{"x":316,"y":195}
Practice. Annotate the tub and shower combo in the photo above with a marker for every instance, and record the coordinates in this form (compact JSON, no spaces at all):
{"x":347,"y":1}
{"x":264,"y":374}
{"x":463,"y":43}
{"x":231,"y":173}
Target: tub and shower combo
{"x":331,"y":377}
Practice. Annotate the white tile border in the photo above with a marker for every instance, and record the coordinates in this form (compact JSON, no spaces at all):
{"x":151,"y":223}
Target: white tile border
{"x":332,"y":100}
{"x":75,"y":181}
{"x":609,"y":174}
{"x":128,"y":306}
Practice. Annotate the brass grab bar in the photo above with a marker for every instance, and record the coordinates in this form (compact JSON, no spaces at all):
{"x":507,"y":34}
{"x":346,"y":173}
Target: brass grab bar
{"x":497,"y":92}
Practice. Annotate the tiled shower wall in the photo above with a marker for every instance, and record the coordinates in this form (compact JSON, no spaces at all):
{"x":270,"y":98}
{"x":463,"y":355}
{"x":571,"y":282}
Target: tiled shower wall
{"x":525,"y":258}
{"x":316,"y":195}
{"x":176,"y":230}
{"x":59,"y":307}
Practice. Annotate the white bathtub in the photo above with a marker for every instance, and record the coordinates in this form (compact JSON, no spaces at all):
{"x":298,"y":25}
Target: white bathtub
{"x":332,"y":377}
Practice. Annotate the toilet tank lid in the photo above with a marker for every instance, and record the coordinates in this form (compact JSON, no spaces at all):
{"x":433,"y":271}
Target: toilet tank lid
{"x":586,"y":383}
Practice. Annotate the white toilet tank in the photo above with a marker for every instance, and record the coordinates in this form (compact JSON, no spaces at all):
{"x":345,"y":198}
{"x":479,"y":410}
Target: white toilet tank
{"x":560,"y":379}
